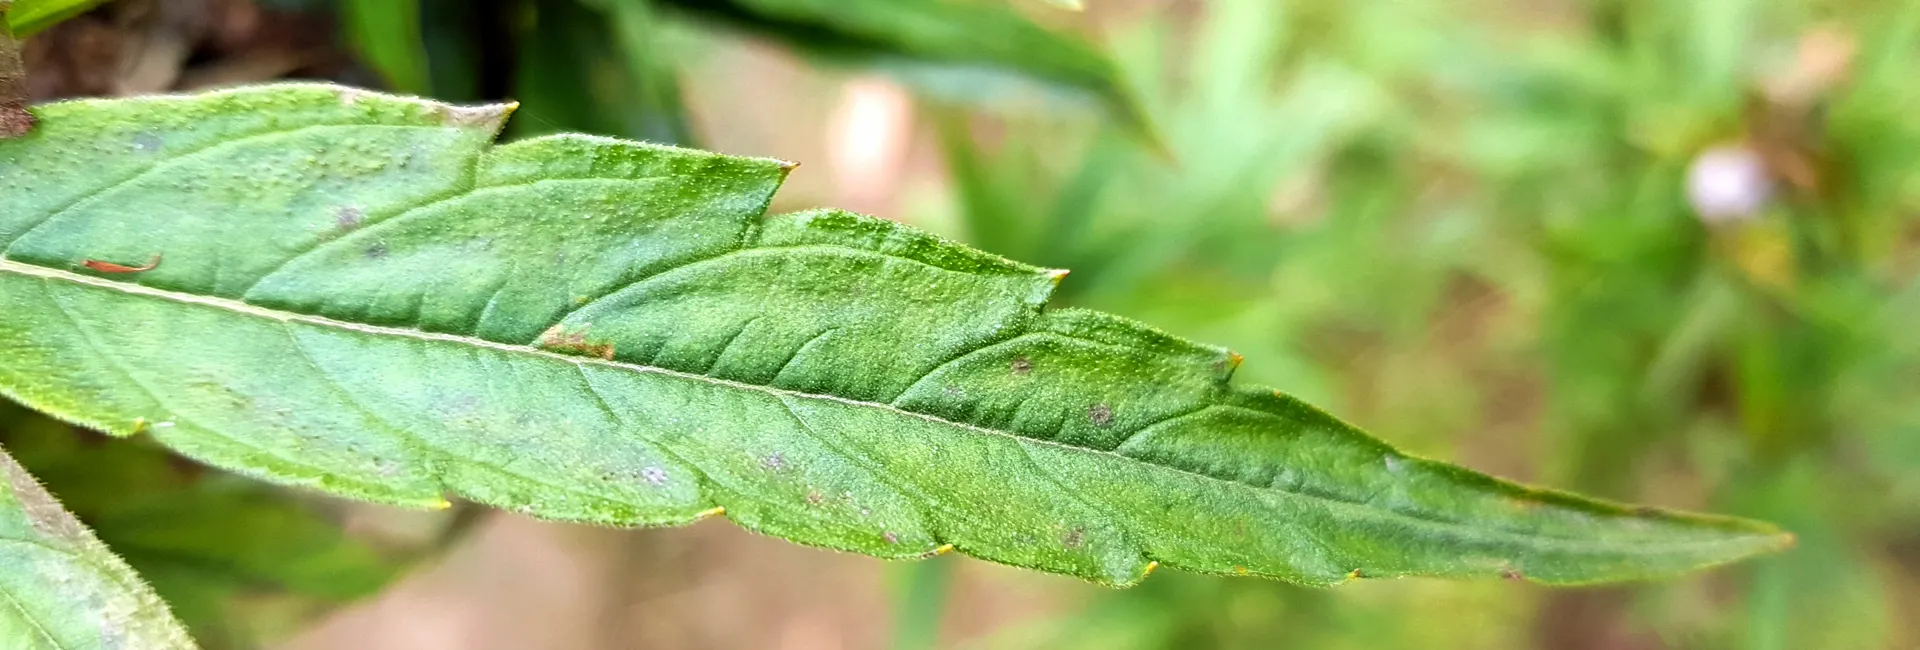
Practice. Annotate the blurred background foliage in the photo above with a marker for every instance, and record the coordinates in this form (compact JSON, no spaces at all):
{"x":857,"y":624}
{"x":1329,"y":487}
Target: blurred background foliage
{"x":1658,"y":251}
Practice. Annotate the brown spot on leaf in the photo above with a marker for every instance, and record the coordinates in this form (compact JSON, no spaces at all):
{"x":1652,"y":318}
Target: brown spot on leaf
{"x":1075,"y":538}
{"x":1511,"y":573}
{"x":891,"y":537}
{"x":774,"y":462}
{"x":815,"y":498}
{"x":557,"y":339}
{"x":349,"y":217}
{"x":1022,"y":367}
{"x":1100,"y":415}
{"x":376,"y":252}
{"x":489,"y":117}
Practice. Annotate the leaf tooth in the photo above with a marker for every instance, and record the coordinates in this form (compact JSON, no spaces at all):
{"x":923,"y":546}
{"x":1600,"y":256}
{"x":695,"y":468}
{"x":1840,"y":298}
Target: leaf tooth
{"x":1108,"y":329}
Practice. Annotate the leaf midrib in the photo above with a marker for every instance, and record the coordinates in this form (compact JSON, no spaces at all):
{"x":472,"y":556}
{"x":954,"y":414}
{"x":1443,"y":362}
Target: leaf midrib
{"x":45,"y":273}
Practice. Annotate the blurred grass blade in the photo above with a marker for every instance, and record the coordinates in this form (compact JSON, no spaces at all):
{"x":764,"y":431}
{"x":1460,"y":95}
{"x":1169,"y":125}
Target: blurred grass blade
{"x":64,"y":590}
{"x":656,"y":84}
{"x":956,"y":49}
{"x":920,"y":602}
{"x":652,"y":70}
{"x":384,"y":305}
{"x":30,"y":16}
{"x":387,"y":35}
{"x":593,"y":67}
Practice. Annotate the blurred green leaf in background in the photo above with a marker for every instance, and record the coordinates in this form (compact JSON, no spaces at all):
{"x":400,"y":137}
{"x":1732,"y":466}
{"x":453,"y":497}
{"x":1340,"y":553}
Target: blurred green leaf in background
{"x":29,"y":16}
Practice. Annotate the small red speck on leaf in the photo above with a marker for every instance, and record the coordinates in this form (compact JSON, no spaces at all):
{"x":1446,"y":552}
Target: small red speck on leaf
{"x":110,"y":267}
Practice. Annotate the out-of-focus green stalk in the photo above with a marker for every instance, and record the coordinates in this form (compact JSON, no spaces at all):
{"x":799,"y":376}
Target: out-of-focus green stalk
{"x":386,"y":33}
{"x":656,"y":84}
{"x":920,"y":602}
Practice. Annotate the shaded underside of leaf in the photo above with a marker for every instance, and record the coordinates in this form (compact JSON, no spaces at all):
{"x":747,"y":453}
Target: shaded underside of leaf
{"x":959,"y":47}
{"x":60,"y":589}
{"x":360,"y":293}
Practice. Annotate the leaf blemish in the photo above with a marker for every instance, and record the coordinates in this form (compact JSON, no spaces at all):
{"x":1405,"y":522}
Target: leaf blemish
{"x":654,"y":476}
{"x":1022,"y":366}
{"x":557,"y":339}
{"x":891,"y":537}
{"x":110,"y":267}
{"x":1100,"y":415}
{"x":147,"y":142}
{"x":349,"y":217}
{"x":774,"y":462}
{"x":376,"y":252}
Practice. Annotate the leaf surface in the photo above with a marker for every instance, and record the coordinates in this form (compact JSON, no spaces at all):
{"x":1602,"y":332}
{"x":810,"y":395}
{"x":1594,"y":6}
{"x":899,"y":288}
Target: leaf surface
{"x":961,"y":49}
{"x":211,"y":544}
{"x":60,"y":588}
{"x":361,"y":294}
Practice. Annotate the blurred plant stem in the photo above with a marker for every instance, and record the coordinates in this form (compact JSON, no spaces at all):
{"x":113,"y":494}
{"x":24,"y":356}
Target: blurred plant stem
{"x":387,"y":35}
{"x":663,"y":115}
{"x":920,"y":592}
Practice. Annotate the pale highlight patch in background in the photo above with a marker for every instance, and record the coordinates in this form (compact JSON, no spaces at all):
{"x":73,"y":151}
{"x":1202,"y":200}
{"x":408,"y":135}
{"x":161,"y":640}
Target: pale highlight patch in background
{"x":869,"y":134}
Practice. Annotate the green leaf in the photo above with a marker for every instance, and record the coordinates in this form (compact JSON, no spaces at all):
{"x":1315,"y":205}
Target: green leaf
{"x":962,"y":49}
{"x":359,"y":293}
{"x":30,"y":16}
{"x":211,"y":544}
{"x":62,"y":589}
